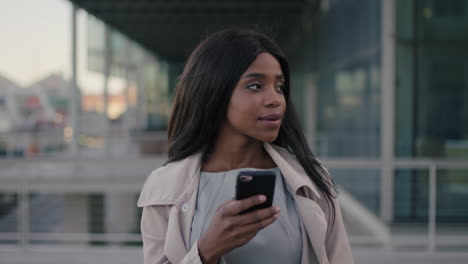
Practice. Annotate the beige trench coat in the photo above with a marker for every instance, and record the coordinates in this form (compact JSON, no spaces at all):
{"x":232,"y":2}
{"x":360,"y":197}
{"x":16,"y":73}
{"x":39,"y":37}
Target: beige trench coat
{"x":168,"y":199}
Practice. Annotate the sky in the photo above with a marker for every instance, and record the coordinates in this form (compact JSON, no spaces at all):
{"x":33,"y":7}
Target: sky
{"x":36,"y":41}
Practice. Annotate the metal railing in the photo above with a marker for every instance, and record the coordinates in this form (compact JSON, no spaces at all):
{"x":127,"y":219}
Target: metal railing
{"x":80,"y":180}
{"x":432,"y":166}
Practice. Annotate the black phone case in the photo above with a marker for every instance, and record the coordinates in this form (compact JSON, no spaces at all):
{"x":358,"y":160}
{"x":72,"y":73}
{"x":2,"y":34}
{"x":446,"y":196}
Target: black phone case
{"x":263,"y":182}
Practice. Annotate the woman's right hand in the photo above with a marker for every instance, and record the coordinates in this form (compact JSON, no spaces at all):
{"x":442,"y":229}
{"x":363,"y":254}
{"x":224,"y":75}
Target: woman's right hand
{"x":229,"y":229}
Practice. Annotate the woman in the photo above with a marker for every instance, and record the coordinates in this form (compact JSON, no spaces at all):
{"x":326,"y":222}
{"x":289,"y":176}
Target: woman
{"x":232,"y":111}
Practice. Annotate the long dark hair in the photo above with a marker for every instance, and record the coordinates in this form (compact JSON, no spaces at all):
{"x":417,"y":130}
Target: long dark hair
{"x":203,"y":92}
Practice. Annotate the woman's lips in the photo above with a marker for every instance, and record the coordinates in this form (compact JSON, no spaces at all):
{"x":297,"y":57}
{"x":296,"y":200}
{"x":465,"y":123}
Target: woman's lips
{"x":271,"y":123}
{"x":272,"y":120}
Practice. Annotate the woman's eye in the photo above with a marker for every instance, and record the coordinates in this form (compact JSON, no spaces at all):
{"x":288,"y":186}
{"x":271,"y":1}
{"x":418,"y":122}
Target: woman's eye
{"x":254,"y":86}
{"x":280,"y":87}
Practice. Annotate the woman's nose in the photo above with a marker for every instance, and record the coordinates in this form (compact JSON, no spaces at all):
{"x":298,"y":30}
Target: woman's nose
{"x":272,"y":97}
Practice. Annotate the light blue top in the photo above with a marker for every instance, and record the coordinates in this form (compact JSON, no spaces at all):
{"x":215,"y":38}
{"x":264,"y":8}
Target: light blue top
{"x":281,"y":242}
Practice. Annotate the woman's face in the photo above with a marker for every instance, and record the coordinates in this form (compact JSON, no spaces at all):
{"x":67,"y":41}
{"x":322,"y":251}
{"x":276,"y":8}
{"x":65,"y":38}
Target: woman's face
{"x":257,"y":105}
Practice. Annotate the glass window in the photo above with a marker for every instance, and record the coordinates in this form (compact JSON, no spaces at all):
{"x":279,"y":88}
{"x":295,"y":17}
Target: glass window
{"x":432,"y":82}
{"x":348,"y":80}
{"x":363,"y":184}
{"x":443,"y":19}
{"x":431,"y":109}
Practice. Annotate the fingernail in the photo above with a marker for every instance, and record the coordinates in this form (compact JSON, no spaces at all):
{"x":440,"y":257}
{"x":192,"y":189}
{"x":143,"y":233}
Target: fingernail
{"x":277,"y":209}
{"x":262,"y":198}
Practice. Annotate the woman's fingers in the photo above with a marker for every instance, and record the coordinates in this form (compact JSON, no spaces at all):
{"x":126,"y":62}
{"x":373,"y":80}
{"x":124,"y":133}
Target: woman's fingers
{"x":234,"y":207}
{"x":256,"y":216}
{"x":235,"y":228}
{"x":256,"y":226}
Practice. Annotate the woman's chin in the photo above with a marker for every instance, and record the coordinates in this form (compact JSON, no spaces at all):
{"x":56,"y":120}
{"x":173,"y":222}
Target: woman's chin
{"x":269,"y":138}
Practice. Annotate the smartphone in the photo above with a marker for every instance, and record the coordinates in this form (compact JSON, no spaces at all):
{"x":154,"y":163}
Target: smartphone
{"x":250,"y":183}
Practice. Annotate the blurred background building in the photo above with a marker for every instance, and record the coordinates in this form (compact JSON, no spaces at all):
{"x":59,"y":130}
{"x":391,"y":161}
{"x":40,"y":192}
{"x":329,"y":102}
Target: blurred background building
{"x":85,"y":93}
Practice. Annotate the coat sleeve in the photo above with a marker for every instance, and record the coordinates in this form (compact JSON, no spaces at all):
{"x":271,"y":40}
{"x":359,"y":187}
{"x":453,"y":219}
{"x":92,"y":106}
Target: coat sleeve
{"x":337,"y":242}
{"x":153,"y":230}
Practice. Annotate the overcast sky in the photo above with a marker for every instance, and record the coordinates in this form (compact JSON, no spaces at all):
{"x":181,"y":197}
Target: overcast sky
{"x":35,"y":42}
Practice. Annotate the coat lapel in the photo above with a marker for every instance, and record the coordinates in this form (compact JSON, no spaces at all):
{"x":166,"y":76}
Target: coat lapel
{"x":174,"y":248}
{"x":312,"y":216}
{"x":180,"y":220}
{"x":314,"y":225}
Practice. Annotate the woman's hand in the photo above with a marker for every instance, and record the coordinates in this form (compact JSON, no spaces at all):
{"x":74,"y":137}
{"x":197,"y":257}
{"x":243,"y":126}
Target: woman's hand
{"x":229,"y":229}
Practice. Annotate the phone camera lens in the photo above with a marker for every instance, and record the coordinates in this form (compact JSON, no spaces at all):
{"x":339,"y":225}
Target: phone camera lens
{"x":246,"y":178}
